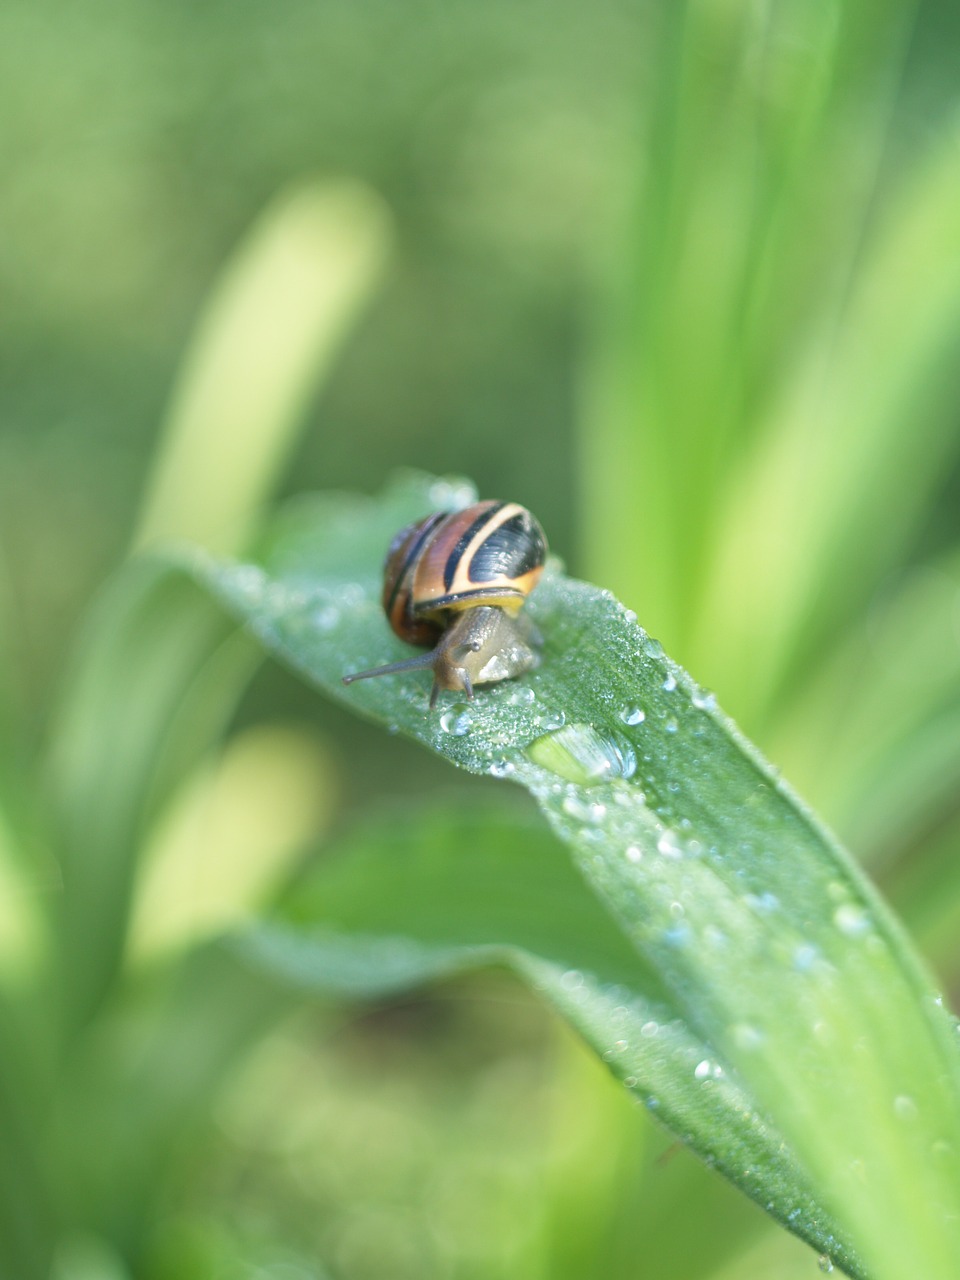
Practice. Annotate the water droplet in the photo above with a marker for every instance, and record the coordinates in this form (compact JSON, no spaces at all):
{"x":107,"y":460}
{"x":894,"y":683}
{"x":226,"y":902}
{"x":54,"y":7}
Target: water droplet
{"x":851,"y":920}
{"x":249,"y":580}
{"x":632,"y":715}
{"x":581,"y":754}
{"x":630,"y":1081}
{"x":633,"y":853}
{"x":650,"y":1029}
{"x":572,"y":980}
{"x":457,"y":720}
{"x":703,"y":1070}
{"x":804,"y":957}
{"x":669,"y":846}
{"x":551,"y":720}
{"x":704,"y":700}
{"x":583,"y":810}
{"x":521,"y":695}
{"x":500,"y":768}
{"x":671,"y":725}
{"x":904,"y":1107}
{"x":326,"y":617}
{"x":677,"y":935}
{"x":670,"y":682}
{"x":765,"y":903}
{"x":452,"y":494}
{"x":629,"y":616}
{"x":825,"y":1263}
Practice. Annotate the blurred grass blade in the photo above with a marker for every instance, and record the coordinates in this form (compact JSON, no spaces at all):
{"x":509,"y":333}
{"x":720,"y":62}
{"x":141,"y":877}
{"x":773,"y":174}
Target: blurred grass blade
{"x":390,"y":908}
{"x":875,"y":730}
{"x":269,"y":335}
{"x":762,"y":932}
{"x":742,"y":151}
{"x":229,"y":837}
{"x":839,"y":418}
{"x":155,"y":674}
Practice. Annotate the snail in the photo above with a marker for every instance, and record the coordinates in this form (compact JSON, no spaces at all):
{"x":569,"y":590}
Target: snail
{"x":457,"y":580}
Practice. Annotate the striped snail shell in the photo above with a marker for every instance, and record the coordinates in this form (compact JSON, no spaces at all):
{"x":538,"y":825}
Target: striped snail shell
{"x":457,"y":580}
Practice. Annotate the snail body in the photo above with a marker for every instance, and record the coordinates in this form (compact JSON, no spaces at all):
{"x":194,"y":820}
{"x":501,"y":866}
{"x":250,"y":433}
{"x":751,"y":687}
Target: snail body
{"x":457,"y":581}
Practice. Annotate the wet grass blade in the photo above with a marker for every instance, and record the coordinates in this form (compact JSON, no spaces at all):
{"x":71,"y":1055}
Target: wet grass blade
{"x":771,"y":946}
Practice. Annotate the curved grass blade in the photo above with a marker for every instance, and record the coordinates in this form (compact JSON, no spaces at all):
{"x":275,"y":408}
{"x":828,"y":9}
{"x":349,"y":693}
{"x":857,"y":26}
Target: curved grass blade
{"x":389,"y":909}
{"x":770,"y":942}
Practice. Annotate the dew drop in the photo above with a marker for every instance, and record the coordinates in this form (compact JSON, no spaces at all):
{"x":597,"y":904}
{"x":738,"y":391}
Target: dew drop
{"x":671,"y":725}
{"x":703,"y":1070}
{"x":670,"y":682}
{"x":704,"y":700}
{"x":572,"y":980}
{"x":630,"y":1081}
{"x":452,"y":494}
{"x":581,"y":754}
{"x":633,"y":853}
{"x":851,"y":920}
{"x":326,"y":617}
{"x":669,"y":846}
{"x":825,"y":1263}
{"x":629,"y":616}
{"x":649,"y":1029}
{"x":521,"y":695}
{"x":457,"y":720}
{"x":632,"y":714}
{"x":551,"y":720}
{"x":500,"y":769}
{"x":583,"y":810}
{"x":249,"y":581}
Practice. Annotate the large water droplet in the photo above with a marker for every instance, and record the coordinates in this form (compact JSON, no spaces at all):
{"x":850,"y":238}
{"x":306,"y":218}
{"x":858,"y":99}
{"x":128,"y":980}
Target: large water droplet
{"x":825,"y":1263}
{"x":551,"y":720}
{"x":581,"y":754}
{"x":521,"y":695}
{"x":631,"y":714}
{"x":457,"y":720}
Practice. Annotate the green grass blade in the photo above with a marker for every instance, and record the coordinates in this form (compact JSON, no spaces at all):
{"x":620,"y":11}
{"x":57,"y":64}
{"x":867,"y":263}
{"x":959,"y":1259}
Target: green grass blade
{"x":269,"y":336}
{"x":875,"y":732}
{"x":156,"y":671}
{"x":763,"y":931}
{"x":390,"y":908}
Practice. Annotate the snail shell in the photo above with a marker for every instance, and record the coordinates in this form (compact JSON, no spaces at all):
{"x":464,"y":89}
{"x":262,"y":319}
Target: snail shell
{"x":457,"y":581}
